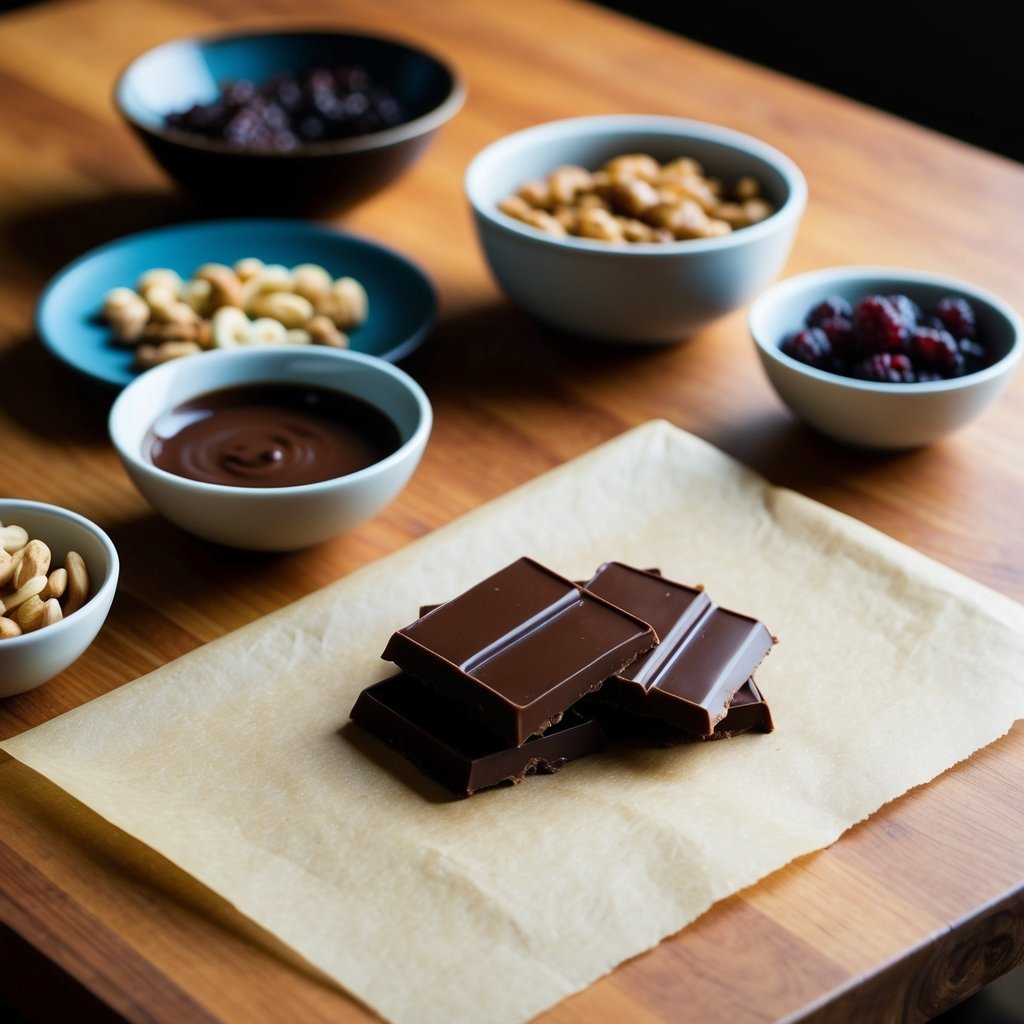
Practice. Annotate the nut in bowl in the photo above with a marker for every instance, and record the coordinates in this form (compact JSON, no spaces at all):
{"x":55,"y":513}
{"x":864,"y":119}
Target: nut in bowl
{"x":58,"y":575}
{"x":683,"y":222}
{"x":296,"y":121}
{"x":883,"y":357}
{"x":271,"y":449}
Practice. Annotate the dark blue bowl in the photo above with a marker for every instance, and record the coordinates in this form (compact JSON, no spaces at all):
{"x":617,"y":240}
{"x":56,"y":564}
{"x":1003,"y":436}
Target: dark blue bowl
{"x":314,"y":179}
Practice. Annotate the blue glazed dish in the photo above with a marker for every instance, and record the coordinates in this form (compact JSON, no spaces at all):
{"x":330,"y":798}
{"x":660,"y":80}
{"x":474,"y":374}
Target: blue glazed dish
{"x":402,"y":299}
{"x":314,"y":179}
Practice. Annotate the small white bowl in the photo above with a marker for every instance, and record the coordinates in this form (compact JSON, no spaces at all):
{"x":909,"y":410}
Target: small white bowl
{"x":878,"y":415}
{"x":29,"y":660}
{"x":632,"y":292}
{"x":272,"y":518}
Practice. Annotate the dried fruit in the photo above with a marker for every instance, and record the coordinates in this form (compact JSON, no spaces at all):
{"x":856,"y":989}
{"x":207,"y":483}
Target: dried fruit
{"x":291,"y":110}
{"x":890,"y":339}
{"x":811,"y":346}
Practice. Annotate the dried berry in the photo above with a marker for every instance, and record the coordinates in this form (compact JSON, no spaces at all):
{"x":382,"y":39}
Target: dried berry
{"x":828,"y":309}
{"x":909,"y":311}
{"x":887,"y":368}
{"x":289,"y":110}
{"x":890,"y":339}
{"x":957,"y":316}
{"x":878,"y":325}
{"x":935,"y":349}
{"x":811,"y":346}
{"x":839,"y":331}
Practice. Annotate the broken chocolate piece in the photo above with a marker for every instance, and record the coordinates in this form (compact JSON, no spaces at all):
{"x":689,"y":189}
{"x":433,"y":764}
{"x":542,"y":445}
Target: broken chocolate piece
{"x":748,"y":712}
{"x":519,"y":648}
{"x":446,"y":744}
{"x":706,"y":653}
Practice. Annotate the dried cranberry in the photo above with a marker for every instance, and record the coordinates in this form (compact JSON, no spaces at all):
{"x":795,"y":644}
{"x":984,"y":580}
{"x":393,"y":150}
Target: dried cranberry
{"x":887,"y":338}
{"x":811,"y":346}
{"x":828,"y":309}
{"x":887,"y":368}
{"x":839,"y":331}
{"x":878,"y":325}
{"x":935,"y":349}
{"x":909,"y":311}
{"x":290,"y":109}
{"x":956,"y":314}
{"x":975,"y":356}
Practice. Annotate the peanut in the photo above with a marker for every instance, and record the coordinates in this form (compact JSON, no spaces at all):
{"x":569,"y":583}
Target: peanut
{"x":251,"y":302}
{"x":264,"y":330}
{"x":323,"y":331}
{"x":36,"y":613}
{"x":147,"y":356}
{"x":248,"y":267}
{"x":225,"y":285}
{"x":346,"y":303}
{"x":13,"y":538}
{"x":229,"y":327}
{"x":290,"y":309}
{"x":35,"y":561}
{"x":128,"y":321}
{"x":30,"y":614}
{"x":56,"y":584}
{"x":311,"y":281}
{"x":159,"y":277}
{"x":78,"y":582}
{"x":31,"y":594}
{"x":30,"y":588}
{"x":272,"y":278}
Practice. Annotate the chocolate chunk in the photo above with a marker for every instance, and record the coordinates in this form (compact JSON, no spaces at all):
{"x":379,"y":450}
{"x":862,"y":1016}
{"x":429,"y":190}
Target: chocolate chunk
{"x":519,"y":648}
{"x":705,"y":655}
{"x":448,"y":745}
{"x":748,"y":712}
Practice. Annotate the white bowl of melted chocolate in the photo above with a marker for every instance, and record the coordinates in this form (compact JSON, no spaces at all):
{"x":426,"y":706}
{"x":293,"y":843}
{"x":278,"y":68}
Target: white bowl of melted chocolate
{"x":271,"y":449}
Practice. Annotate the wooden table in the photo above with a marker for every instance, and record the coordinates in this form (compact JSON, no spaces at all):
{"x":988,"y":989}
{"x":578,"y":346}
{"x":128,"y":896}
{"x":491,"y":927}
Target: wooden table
{"x":907,"y":913}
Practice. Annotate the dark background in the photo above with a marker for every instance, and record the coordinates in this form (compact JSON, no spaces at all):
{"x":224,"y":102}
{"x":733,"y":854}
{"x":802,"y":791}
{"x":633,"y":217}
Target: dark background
{"x":957,"y":68}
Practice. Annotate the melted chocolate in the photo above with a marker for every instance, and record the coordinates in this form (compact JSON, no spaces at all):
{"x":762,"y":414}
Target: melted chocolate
{"x":270,"y":435}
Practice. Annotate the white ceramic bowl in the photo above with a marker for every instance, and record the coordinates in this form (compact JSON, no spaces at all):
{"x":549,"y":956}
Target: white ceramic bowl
{"x":632,"y":292}
{"x":29,"y":660}
{"x":272,"y":518}
{"x":880,"y":415}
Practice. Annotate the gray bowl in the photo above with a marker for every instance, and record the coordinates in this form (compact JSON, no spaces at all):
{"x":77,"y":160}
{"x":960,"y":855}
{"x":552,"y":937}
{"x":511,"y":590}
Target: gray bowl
{"x":864,"y":413}
{"x":635,"y":292}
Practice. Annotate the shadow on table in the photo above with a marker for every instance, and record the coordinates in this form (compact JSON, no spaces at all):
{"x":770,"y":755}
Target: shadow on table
{"x":48,"y":236}
{"x":50,"y":400}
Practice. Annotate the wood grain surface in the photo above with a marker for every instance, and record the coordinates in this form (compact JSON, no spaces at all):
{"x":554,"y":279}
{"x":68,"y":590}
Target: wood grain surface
{"x":909,"y":912}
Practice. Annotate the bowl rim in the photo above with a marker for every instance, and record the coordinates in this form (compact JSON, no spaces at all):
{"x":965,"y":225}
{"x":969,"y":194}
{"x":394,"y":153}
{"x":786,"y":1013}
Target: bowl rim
{"x":416,"y":440}
{"x":769,"y":347}
{"x":415,"y":128}
{"x":605,"y":124}
{"x":107,"y":587}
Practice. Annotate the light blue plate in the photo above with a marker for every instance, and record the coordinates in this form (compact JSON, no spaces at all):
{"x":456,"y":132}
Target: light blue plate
{"x":402,"y":299}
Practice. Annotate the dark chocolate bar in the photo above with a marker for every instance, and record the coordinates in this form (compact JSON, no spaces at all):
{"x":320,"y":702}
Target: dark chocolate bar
{"x":748,"y":712}
{"x":706,"y":653}
{"x":519,"y":648}
{"x":446,"y":744}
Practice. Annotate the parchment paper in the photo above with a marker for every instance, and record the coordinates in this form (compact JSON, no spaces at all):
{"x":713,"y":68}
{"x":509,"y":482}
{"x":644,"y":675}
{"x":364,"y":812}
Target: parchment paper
{"x":235,"y":761}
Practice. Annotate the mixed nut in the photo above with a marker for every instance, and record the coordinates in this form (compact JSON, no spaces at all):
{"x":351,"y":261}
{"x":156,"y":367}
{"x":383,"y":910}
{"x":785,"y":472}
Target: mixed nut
{"x":166,"y":317}
{"x":635,"y":198}
{"x":33,"y":592}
